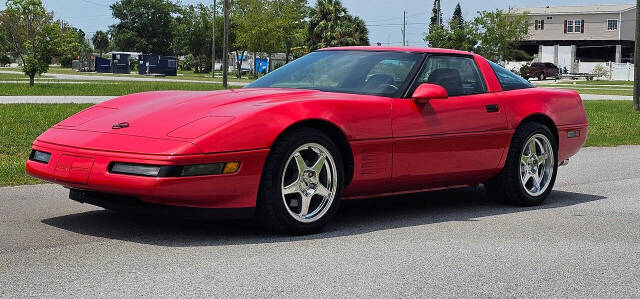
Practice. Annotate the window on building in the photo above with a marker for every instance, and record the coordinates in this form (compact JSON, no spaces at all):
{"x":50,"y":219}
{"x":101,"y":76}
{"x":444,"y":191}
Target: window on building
{"x":539,"y":25}
{"x":612,"y":25}
{"x":574,"y":26}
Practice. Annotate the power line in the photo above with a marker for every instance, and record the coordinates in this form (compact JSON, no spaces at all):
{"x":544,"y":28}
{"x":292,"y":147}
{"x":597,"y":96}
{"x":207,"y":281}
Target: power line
{"x":94,"y":3}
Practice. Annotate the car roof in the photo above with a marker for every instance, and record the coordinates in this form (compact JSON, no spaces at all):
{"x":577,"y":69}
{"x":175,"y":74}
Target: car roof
{"x":398,"y":49}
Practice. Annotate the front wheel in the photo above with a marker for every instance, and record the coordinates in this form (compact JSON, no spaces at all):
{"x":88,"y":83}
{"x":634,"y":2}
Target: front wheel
{"x":301,"y":183}
{"x":541,"y":77}
{"x":530,"y":170}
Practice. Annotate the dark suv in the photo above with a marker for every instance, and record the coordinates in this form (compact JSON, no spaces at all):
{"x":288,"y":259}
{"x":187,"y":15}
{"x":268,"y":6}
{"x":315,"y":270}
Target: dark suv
{"x":543,"y":70}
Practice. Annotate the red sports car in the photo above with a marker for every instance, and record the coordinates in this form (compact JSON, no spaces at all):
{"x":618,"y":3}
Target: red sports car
{"x":339,"y":123}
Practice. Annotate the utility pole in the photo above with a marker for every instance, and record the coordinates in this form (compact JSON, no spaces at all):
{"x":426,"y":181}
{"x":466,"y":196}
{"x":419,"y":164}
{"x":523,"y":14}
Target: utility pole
{"x":225,"y":53}
{"x":636,"y":62}
{"x":213,"y":42}
{"x":404,"y":27}
{"x":439,"y":15}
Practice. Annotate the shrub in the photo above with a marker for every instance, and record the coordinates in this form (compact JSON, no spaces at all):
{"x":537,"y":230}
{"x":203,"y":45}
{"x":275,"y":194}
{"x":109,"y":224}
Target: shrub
{"x":133,"y":64}
{"x":600,"y":71}
{"x":524,"y":70}
{"x":5,"y":60}
{"x":66,"y":61}
{"x":186,"y":63}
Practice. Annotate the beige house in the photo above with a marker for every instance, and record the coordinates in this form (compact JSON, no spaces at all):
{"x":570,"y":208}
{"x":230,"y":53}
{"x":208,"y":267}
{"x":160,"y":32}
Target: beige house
{"x":594,"y":33}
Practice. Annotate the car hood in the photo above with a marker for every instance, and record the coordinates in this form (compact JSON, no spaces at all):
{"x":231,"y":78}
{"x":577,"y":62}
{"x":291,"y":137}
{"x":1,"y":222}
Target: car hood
{"x":181,"y":115}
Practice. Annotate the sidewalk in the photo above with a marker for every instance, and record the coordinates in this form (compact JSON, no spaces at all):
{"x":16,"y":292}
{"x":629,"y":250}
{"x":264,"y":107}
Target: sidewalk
{"x":53,"y":99}
{"x":590,"y":97}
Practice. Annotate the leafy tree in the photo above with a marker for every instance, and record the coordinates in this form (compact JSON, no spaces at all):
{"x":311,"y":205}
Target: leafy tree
{"x":330,"y":25}
{"x":290,"y":19}
{"x":459,"y":35}
{"x":194,"y":35}
{"x":256,"y":32}
{"x":146,"y":26}
{"x":500,"y":32}
{"x":72,"y":44}
{"x":31,"y":35}
{"x":457,"y":21}
{"x":100,"y":41}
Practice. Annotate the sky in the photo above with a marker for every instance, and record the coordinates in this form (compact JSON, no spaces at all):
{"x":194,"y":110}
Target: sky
{"x":383,"y":17}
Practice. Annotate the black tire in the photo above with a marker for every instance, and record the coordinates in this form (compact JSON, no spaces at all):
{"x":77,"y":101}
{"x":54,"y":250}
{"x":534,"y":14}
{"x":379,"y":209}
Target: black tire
{"x":507,"y":187}
{"x":541,"y":77}
{"x":271,"y":210}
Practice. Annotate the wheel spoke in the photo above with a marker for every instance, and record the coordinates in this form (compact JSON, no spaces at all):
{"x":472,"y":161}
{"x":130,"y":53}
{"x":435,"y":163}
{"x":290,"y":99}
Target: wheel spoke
{"x":525,"y":178}
{"x":291,"y":188}
{"x":306,"y":201}
{"x":317,"y":167}
{"x":536,"y":181}
{"x":322,"y":191}
{"x":524,"y":159}
{"x":300,"y":163}
{"x":532,"y":146}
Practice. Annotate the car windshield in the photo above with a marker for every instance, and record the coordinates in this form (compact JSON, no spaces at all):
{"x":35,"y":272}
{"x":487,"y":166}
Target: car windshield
{"x":360,"y":72}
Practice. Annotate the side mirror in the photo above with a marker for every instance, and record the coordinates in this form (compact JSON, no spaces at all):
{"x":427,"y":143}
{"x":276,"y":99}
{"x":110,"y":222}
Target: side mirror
{"x":426,"y":92}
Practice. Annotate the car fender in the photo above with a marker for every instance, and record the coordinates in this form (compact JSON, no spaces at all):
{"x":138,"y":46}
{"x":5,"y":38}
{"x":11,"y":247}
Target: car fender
{"x":256,"y":125}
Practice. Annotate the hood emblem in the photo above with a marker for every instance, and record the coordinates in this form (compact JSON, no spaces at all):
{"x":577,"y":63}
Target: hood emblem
{"x":120,"y":125}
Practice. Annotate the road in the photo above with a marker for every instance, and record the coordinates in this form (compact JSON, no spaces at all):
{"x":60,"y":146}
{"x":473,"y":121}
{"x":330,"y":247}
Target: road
{"x":584,"y":242}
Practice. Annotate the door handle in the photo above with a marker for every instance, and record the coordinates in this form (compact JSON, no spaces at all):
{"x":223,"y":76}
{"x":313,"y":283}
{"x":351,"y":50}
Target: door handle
{"x":492,"y":108}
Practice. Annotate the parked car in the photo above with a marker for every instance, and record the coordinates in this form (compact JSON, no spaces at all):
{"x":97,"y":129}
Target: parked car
{"x":336,"y":124}
{"x":543,"y":70}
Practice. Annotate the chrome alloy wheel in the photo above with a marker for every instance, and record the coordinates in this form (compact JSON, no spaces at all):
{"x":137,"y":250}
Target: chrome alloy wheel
{"x":309,"y":182}
{"x":537,"y":164}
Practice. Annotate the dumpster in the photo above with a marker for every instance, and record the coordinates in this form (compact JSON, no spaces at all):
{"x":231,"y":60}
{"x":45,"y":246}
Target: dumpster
{"x":120,"y":63}
{"x":103,"y":65}
{"x":152,"y":64}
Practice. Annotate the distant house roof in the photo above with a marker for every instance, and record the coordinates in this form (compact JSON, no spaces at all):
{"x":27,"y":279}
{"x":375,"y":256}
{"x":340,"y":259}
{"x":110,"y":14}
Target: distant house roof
{"x":582,"y":9}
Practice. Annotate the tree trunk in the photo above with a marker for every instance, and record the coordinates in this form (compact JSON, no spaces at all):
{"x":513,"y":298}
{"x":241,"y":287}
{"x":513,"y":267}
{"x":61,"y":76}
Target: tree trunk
{"x":255,"y":66}
{"x":31,"y":80}
{"x":239,"y":64}
{"x":288,"y":53}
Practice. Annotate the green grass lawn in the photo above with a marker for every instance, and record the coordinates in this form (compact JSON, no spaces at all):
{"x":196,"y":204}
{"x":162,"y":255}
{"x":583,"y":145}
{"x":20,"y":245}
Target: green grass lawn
{"x":98,"y":88}
{"x":605,"y":82}
{"x":595,"y":90}
{"x":611,"y":123}
{"x":182,"y":75}
{"x":21,"y":124}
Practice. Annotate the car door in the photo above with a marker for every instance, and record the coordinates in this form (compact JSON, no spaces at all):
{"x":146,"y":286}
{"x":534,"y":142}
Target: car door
{"x":453,"y":141}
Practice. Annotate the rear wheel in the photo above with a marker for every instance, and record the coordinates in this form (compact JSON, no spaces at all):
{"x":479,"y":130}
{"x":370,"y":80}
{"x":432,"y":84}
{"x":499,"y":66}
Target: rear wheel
{"x":530,"y":170}
{"x":541,"y":77}
{"x":301,"y":183}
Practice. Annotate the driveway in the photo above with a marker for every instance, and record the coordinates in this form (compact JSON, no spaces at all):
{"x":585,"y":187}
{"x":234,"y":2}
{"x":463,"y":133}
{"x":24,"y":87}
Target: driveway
{"x":584,"y":242}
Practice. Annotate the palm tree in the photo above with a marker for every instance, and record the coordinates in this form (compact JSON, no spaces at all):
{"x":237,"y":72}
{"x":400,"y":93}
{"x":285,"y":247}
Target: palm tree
{"x":331,"y":25}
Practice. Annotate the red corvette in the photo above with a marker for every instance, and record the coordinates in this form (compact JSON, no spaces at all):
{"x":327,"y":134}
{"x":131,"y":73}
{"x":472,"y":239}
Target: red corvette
{"x":339,"y":123}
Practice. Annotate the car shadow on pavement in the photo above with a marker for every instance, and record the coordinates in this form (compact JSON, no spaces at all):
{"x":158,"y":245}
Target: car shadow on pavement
{"x":354,"y":217}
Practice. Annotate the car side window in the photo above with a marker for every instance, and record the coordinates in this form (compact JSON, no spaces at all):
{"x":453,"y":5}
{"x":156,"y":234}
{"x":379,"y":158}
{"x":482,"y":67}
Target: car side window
{"x":458,"y":75}
{"x":509,"y":80}
{"x":388,"y":75}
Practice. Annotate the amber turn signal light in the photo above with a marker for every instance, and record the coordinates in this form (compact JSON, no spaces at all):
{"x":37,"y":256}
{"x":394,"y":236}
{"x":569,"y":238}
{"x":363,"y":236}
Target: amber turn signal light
{"x":231,"y":167}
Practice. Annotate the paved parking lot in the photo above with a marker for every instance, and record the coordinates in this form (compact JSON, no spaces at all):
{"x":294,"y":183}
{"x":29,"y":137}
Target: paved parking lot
{"x":584,"y":242}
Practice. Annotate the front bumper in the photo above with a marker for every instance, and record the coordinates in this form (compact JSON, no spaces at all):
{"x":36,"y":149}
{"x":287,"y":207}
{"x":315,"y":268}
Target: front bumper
{"x":87,"y":170}
{"x":135,"y":205}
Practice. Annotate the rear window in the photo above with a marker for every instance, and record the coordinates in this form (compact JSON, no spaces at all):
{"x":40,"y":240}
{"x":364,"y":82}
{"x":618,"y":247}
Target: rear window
{"x":509,"y":80}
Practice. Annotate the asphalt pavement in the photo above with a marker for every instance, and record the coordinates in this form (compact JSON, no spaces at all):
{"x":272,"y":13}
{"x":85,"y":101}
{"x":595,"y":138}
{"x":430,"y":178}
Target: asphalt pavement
{"x":584,"y":242}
